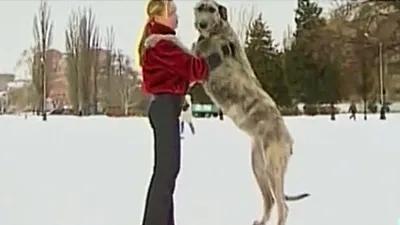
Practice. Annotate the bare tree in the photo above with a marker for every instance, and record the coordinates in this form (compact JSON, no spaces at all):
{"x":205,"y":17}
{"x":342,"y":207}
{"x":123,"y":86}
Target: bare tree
{"x":87,"y":41}
{"x":126,"y":81}
{"x":72,"y":43}
{"x":288,"y":38}
{"x":43,"y":35}
{"x":352,"y":35}
{"x":241,"y":19}
{"x":342,"y":9}
{"x":109,"y":45}
{"x":95,"y":68}
{"x":83,"y":47}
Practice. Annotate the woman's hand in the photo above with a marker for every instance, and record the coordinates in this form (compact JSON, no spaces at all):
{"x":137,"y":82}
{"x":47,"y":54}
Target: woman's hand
{"x":196,"y":82}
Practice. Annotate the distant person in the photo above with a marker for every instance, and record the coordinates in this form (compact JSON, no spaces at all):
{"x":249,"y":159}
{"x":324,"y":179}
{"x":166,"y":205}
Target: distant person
{"x":187,"y":115}
{"x":353,"y":111}
{"x":332,"y":111}
{"x":167,"y":73}
{"x":221,"y":115}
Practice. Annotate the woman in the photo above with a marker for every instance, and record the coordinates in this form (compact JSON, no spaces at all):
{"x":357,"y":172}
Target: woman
{"x":167,"y":72}
{"x":186,"y":116}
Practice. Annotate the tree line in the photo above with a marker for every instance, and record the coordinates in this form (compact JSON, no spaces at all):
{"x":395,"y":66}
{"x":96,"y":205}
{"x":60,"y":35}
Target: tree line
{"x":328,"y":58}
{"x":93,"y":79}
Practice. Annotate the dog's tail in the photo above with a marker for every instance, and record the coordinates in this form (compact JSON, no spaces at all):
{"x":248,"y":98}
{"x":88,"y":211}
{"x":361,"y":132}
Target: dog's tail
{"x":296,"y":197}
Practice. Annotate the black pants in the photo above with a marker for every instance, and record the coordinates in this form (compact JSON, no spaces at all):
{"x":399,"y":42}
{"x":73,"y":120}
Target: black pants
{"x":164,"y":114}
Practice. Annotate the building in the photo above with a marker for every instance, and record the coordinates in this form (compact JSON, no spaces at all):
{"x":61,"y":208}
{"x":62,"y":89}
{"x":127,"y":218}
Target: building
{"x":57,"y":89}
{"x":57,"y":76}
{"x":4,"y":80}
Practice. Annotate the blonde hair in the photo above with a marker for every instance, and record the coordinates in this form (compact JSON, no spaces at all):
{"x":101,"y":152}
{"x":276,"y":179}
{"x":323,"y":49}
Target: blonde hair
{"x":153,"y":8}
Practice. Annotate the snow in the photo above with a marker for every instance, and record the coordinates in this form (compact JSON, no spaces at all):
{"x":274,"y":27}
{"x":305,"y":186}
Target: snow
{"x":95,"y":171}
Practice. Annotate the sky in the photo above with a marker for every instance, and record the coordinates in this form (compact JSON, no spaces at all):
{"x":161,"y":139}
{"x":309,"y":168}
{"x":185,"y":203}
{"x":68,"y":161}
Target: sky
{"x":126,"y":16}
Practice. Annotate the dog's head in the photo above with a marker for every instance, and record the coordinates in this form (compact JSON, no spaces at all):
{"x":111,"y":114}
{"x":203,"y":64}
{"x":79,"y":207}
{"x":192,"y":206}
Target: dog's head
{"x":210,"y":17}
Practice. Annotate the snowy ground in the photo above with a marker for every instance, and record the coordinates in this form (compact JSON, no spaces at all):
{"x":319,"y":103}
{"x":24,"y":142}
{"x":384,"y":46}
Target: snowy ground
{"x":95,"y":171}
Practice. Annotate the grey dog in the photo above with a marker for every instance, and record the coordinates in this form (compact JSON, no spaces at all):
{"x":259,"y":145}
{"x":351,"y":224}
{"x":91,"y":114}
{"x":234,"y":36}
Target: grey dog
{"x":234,"y":87}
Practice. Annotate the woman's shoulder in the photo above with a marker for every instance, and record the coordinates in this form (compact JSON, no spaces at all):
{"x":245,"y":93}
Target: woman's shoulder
{"x":165,"y":41}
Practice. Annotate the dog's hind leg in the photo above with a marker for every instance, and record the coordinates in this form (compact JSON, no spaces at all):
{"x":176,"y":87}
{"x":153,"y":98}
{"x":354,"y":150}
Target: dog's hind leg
{"x":276,"y":168}
{"x":258,"y":165}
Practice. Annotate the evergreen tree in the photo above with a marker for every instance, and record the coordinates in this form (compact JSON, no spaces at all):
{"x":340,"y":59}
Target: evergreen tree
{"x":307,"y":16}
{"x":266,"y":61}
{"x":311,"y":74}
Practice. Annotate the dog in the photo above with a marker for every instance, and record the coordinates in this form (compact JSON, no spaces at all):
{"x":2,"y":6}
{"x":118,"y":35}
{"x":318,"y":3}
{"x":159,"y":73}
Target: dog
{"x":235,"y":89}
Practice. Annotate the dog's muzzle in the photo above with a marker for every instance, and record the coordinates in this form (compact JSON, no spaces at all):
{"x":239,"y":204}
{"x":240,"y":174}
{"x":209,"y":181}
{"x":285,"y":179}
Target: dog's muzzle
{"x":202,"y":25}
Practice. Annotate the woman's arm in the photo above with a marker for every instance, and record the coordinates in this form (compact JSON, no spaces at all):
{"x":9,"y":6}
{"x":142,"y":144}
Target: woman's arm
{"x":189,"y":67}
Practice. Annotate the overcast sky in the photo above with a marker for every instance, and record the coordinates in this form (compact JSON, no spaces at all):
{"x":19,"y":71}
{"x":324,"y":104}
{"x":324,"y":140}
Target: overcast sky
{"x":126,"y":16}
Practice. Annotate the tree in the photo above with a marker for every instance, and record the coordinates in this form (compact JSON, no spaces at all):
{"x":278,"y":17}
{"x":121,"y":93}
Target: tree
{"x":342,"y":9}
{"x":333,"y":46}
{"x":374,"y":23}
{"x":110,"y":57}
{"x":72,"y":47}
{"x":95,"y":71}
{"x":352,"y":34}
{"x":126,"y":79}
{"x":83,"y":48}
{"x":43,"y":36}
{"x":309,"y":68}
{"x":307,"y":17}
{"x":89,"y":44}
{"x":266,"y":60}
{"x":298,"y":66}
{"x":240,"y":19}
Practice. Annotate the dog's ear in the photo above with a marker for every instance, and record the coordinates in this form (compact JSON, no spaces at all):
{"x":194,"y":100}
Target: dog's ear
{"x":223,"y":12}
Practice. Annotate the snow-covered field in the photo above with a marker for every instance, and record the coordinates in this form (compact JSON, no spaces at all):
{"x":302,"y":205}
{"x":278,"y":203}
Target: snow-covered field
{"x":95,"y":171}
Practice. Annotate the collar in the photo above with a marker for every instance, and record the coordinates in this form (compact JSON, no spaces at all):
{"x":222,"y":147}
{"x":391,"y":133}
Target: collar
{"x":158,"y":28}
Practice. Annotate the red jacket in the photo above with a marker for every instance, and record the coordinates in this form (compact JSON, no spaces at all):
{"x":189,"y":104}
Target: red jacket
{"x":167,"y":69}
